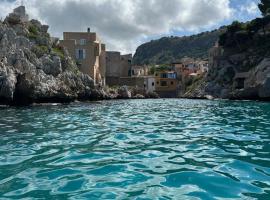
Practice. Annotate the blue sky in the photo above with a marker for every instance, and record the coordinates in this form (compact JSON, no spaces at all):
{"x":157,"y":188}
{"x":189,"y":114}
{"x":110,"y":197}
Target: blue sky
{"x":125,"y":24}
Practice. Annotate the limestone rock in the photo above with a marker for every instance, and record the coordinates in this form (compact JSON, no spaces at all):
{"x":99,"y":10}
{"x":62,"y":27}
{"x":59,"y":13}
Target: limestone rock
{"x":51,"y":66}
{"x":22,"y":42}
{"x":36,"y":23}
{"x":7,"y":83}
{"x":11,"y":34}
{"x":27,"y":76}
{"x":151,"y":95}
{"x":44,"y":28}
{"x":139,"y":96}
{"x":124,"y":93}
{"x":13,"y":19}
{"x":264,"y":91}
{"x":259,"y":80}
{"x":213,"y":89}
{"x":225,"y":94}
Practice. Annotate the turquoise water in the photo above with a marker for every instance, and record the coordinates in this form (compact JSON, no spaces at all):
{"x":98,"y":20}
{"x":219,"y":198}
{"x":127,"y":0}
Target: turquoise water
{"x":136,"y":149}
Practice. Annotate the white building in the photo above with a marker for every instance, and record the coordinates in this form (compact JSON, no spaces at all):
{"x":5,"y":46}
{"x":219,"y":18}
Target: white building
{"x":149,"y":83}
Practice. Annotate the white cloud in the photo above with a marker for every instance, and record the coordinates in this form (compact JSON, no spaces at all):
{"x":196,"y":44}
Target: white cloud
{"x":247,"y":10}
{"x":124,"y":24}
{"x":250,"y":8}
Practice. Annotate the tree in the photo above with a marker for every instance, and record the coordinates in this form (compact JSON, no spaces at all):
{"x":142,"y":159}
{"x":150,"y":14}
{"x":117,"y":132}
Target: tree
{"x":152,"y":70}
{"x":264,"y":7}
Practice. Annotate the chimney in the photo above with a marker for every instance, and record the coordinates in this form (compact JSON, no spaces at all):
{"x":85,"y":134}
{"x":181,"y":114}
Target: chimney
{"x":88,"y":30}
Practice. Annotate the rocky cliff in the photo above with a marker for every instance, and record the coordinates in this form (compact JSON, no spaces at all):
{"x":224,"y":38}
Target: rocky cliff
{"x":34,"y":69}
{"x":239,"y":68}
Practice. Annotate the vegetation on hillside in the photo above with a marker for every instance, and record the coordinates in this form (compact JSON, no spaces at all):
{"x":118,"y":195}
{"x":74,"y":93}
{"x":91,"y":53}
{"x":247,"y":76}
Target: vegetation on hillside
{"x":159,"y":68}
{"x":251,"y":35}
{"x":171,"y":49}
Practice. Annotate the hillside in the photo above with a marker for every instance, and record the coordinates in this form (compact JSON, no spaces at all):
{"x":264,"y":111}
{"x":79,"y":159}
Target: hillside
{"x":171,"y":49}
{"x":240,"y":67}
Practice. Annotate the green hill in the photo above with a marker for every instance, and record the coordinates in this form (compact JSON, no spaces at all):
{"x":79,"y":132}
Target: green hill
{"x":171,"y":49}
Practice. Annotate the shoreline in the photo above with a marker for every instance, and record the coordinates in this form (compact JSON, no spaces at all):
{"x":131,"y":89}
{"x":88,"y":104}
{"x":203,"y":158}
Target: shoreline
{"x":52,"y":103}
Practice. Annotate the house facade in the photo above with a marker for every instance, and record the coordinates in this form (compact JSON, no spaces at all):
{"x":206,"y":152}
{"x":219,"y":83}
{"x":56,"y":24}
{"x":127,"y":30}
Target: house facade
{"x":117,"y":66}
{"x":150,"y":84}
{"x":139,"y":71}
{"x":89,"y":53}
{"x":166,"y":84}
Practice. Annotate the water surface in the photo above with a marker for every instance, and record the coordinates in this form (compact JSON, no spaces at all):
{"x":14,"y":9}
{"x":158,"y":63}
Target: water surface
{"x":136,"y":149}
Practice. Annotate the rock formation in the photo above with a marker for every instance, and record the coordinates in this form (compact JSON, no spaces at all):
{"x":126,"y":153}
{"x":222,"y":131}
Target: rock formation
{"x":34,"y":69}
{"x":239,"y":68}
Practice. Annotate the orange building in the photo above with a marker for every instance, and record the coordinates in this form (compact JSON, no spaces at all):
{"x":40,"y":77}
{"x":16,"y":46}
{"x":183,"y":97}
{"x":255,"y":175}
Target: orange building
{"x":166,"y":84}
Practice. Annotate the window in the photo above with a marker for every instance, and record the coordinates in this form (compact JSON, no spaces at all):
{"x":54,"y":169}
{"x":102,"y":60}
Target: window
{"x":80,"y":54}
{"x":82,"y":41}
{"x":163,"y":83}
{"x":163,"y":75}
{"x":171,"y":82}
{"x":172,"y":75}
{"x":153,"y":84}
{"x":157,"y":83}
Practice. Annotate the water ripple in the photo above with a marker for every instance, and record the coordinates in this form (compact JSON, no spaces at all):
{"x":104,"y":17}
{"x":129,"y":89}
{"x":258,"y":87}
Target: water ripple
{"x":136,"y":149}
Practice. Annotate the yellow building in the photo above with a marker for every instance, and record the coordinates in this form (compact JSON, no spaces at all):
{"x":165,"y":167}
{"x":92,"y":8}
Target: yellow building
{"x":166,"y":84}
{"x":89,"y":53}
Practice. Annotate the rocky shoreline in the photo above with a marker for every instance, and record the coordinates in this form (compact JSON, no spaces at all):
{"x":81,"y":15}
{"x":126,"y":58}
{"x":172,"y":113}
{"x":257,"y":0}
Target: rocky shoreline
{"x":34,"y":69}
{"x":256,"y":84}
{"x":239,"y":65}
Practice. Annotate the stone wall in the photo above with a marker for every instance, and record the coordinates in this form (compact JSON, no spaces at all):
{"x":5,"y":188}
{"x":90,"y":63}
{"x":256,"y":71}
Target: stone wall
{"x":117,"y":65}
{"x":125,"y":81}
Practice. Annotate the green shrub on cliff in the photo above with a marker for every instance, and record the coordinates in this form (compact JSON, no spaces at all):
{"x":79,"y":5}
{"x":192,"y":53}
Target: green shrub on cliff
{"x":235,"y":35}
{"x":242,"y":36}
{"x":33,"y":29}
{"x":236,"y":26}
{"x":59,"y":51}
{"x":152,"y":70}
{"x":33,"y":32}
{"x":253,"y":33}
{"x":254,"y":25}
{"x":40,"y":50}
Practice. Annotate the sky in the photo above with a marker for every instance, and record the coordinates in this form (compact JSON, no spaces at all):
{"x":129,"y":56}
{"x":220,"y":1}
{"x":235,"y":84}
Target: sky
{"x":125,"y":24}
